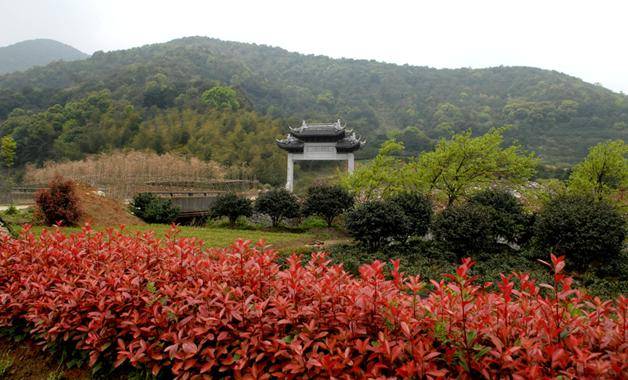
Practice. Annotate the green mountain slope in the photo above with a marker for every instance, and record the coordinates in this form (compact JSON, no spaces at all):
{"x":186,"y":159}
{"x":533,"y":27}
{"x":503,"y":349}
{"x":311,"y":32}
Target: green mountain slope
{"x":26,"y":54}
{"x":554,"y":114}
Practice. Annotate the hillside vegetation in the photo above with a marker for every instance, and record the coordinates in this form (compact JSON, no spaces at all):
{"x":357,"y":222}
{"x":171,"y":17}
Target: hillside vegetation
{"x":151,"y":97}
{"x":26,"y":54}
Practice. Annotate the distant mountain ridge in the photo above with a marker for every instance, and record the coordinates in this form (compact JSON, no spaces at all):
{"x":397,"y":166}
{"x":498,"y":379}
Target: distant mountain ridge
{"x":556,"y":115}
{"x":39,"y":52}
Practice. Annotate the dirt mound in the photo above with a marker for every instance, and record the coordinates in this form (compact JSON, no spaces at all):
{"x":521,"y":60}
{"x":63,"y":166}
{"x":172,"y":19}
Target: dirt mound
{"x":102,"y":211}
{"x":27,"y":361}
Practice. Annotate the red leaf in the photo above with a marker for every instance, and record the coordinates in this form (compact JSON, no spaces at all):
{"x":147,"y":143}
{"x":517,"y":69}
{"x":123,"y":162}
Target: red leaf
{"x":190,"y":347}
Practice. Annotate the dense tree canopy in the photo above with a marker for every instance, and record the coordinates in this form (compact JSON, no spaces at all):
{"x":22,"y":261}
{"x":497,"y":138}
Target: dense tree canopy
{"x":221,"y":97}
{"x":7,"y":151}
{"x":603,"y":172}
{"x":463,"y":163}
{"x":553,"y":114}
{"x":456,"y":167}
{"x":99,"y":123}
{"x":384,"y":176}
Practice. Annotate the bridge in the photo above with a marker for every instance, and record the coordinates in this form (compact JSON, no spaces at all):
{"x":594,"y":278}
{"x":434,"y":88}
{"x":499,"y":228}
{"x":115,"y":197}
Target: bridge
{"x":191,"y":204}
{"x":194,"y":199}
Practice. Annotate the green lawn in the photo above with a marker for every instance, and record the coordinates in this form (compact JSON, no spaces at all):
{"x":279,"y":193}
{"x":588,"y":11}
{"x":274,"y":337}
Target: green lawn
{"x":216,"y":236}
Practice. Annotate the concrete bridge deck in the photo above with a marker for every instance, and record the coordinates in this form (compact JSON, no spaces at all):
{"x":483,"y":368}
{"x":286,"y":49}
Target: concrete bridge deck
{"x":190,"y":203}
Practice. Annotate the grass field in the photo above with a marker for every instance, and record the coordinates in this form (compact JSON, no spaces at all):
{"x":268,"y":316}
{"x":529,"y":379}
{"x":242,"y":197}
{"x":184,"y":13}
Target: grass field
{"x":216,"y":236}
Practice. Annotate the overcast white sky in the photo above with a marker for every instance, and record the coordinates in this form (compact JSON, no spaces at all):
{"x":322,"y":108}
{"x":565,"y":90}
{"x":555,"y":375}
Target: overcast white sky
{"x":587,"y":39}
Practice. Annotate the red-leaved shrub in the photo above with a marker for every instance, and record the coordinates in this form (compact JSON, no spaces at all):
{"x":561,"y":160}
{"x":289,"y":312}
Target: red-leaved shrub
{"x":170,"y":305}
{"x":59,"y":203}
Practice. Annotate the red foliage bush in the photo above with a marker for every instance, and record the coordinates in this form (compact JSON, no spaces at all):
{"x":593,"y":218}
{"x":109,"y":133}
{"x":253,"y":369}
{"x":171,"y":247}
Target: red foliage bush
{"x":59,"y":204}
{"x":170,"y":305}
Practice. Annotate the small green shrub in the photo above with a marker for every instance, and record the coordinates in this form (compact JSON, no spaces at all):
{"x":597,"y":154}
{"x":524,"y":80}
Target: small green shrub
{"x":376,"y":223}
{"x":25,"y":216}
{"x":604,"y":287}
{"x":587,"y":231}
{"x":418,"y":209}
{"x":278,"y":204}
{"x":510,"y":222}
{"x":327,"y":202}
{"x":12,"y":210}
{"x":466,"y":229}
{"x":232,"y":206}
{"x":152,"y":209}
{"x":313,"y":222}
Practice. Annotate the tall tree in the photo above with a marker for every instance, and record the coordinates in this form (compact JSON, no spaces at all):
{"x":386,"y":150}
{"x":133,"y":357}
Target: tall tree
{"x":603,"y":171}
{"x":463,"y":163}
{"x":384,"y":176}
{"x":221,"y":97}
{"x":8,"y":148}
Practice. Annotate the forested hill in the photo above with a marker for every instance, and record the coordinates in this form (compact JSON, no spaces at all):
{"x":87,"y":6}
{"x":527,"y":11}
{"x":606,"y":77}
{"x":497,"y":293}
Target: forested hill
{"x":556,"y":115}
{"x":26,"y":54}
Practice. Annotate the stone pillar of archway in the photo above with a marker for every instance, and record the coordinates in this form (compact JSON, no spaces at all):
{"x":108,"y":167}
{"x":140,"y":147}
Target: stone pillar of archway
{"x":290,"y":174}
{"x":350,"y":163}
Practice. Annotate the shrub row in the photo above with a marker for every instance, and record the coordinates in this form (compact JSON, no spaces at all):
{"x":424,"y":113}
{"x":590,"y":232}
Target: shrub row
{"x":471,"y":227}
{"x":170,"y":306}
{"x":328,"y":202}
{"x":588,"y":231}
